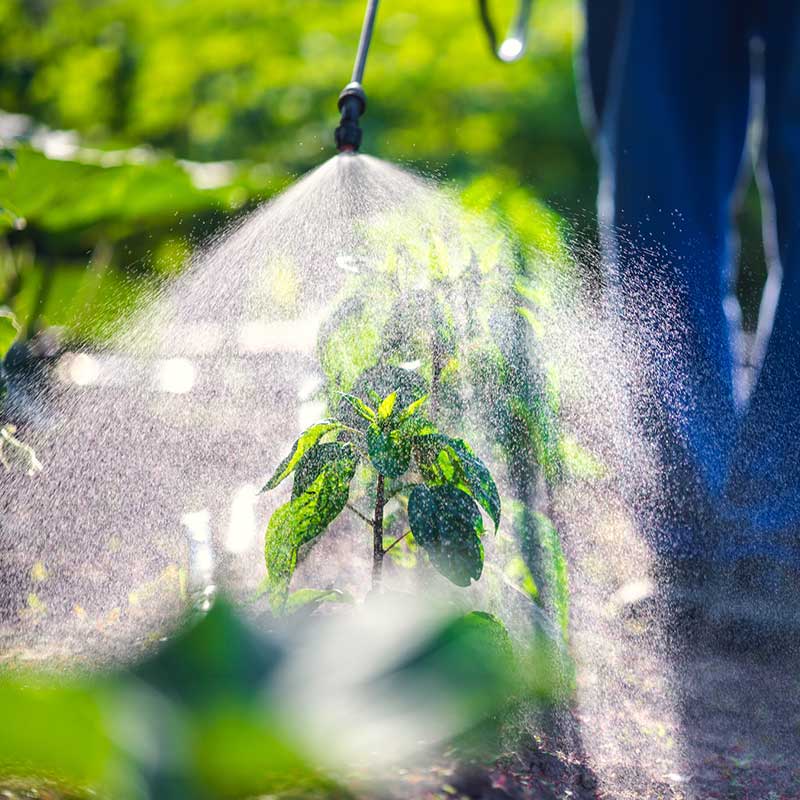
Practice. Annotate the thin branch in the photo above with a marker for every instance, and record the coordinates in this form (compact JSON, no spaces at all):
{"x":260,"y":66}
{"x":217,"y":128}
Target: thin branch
{"x":360,"y":515}
{"x":377,"y":535}
{"x":396,"y":541}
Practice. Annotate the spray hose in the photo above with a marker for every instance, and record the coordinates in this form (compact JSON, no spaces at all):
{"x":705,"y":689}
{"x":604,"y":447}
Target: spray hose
{"x":516,"y":41}
{"x":353,"y":99}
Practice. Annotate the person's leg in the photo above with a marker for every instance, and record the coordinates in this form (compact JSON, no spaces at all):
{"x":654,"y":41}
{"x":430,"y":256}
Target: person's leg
{"x":763,"y":493}
{"x":671,"y":147}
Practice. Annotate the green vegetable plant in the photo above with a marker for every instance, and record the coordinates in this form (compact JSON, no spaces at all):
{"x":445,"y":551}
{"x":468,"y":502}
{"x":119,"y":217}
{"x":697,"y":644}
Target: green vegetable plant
{"x":439,"y":482}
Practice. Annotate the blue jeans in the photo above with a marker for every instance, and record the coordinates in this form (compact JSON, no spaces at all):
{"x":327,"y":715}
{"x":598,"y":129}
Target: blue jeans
{"x":670,"y":84}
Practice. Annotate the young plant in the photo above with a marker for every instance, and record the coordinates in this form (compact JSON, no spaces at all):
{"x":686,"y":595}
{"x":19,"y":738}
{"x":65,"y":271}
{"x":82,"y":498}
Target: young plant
{"x":440,"y":479}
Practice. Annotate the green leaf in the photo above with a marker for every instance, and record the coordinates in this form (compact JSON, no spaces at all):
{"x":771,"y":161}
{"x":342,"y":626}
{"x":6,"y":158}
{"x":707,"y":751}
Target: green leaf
{"x":470,"y":661}
{"x":409,"y":411}
{"x":411,"y":427}
{"x":308,"y":600}
{"x":479,"y":480}
{"x":214,"y":656}
{"x":301,"y":520}
{"x":360,"y":407}
{"x":554,"y":566}
{"x":38,"y":738}
{"x":389,"y":451}
{"x":387,"y":406}
{"x":578,"y":461}
{"x":7,"y":158}
{"x":519,"y":575}
{"x":307,"y":439}
{"x":444,"y":460}
{"x":447,"y":523}
{"x":9,"y":331}
{"x":316,"y":459}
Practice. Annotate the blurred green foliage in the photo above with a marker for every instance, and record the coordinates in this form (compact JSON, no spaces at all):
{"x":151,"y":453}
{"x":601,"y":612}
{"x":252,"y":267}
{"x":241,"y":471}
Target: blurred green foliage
{"x":149,"y":88}
{"x":208,"y":716}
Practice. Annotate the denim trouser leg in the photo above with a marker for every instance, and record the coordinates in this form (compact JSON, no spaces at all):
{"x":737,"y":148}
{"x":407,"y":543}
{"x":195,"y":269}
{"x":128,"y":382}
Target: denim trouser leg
{"x":764,"y":488}
{"x":671,"y":140}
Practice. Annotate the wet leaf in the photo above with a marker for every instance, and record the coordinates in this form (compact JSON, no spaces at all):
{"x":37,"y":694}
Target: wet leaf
{"x":413,"y":408}
{"x":479,"y":480}
{"x":360,"y":407}
{"x":387,"y":406}
{"x":389,"y":451}
{"x":39,"y":736}
{"x":301,"y":520}
{"x":446,"y":522}
{"x":307,"y":439}
{"x":554,"y":564}
{"x":445,"y":460}
{"x":316,"y":459}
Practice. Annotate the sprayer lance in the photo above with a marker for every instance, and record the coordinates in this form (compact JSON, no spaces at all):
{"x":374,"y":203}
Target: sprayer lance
{"x":353,"y":100}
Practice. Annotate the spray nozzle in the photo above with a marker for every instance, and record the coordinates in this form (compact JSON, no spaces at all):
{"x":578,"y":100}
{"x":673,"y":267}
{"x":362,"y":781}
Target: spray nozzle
{"x":352,"y":103}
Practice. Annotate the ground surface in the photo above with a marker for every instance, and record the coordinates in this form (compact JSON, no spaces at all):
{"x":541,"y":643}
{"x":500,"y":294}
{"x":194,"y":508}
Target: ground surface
{"x":733,"y":732}
{"x":654,"y":718}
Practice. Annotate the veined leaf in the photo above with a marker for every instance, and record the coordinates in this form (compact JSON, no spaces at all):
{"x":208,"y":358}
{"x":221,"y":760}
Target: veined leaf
{"x":360,"y":407}
{"x":443,"y":460}
{"x":389,"y":451}
{"x":315,"y":460}
{"x":307,"y":439}
{"x":413,"y":408}
{"x":9,"y":331}
{"x":479,"y":480}
{"x":447,"y":523}
{"x":416,"y":425}
{"x":387,"y":406}
{"x":301,"y":520}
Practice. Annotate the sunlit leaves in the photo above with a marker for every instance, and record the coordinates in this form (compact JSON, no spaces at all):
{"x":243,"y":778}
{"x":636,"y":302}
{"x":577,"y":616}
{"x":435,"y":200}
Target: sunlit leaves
{"x":452,"y":461}
{"x":307,"y":440}
{"x":413,"y":408}
{"x":443,"y":516}
{"x":447,"y":524}
{"x":555,"y":568}
{"x":9,"y":331}
{"x":316,"y":459}
{"x":387,"y":406}
{"x":360,"y":407}
{"x":301,"y":520}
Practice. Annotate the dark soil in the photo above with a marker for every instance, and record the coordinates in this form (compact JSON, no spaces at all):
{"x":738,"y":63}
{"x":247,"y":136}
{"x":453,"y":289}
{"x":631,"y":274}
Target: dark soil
{"x":734,"y":733}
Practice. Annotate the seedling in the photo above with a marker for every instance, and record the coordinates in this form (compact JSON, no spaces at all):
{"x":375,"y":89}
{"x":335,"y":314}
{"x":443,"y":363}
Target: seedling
{"x":439,"y":481}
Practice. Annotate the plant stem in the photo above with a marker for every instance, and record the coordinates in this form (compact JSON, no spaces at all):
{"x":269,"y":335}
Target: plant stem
{"x":396,"y":541}
{"x":360,"y":515}
{"x":377,"y":536}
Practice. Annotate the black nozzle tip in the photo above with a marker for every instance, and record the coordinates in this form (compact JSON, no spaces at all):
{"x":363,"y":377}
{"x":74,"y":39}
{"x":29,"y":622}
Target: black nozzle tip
{"x":352,"y":103}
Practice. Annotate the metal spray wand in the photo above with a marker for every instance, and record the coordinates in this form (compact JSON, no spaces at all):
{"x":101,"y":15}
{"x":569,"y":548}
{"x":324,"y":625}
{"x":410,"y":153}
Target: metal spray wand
{"x":353,"y":100}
